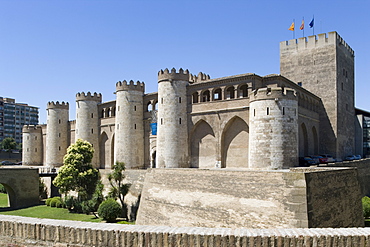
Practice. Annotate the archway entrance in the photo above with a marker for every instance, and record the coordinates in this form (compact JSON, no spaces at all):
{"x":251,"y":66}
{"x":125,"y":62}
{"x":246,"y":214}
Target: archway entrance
{"x":4,"y":201}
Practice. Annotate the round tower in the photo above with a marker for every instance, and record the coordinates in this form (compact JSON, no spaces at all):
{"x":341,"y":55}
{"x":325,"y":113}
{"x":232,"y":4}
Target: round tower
{"x":129,"y":126}
{"x":273,"y":128}
{"x":57,"y":136}
{"x":87,"y":121}
{"x":172,"y":131}
{"x":32,"y":153}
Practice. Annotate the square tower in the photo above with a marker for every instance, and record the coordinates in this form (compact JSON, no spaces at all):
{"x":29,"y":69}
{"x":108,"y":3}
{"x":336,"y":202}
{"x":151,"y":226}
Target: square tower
{"x":324,"y":65}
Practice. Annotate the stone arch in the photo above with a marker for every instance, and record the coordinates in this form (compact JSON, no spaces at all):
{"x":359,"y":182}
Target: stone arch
{"x":195,"y":97}
{"x":243,"y":91}
{"x":230,"y":92}
{"x":217,"y":94}
{"x":22,"y":186}
{"x":202,"y":146}
{"x":206,"y":96}
{"x":303,"y":140}
{"x":234,"y":143}
{"x":315,"y":140}
{"x":149,"y":106}
{"x":104,"y":151}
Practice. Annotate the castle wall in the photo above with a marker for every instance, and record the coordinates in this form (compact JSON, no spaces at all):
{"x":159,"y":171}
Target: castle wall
{"x":251,"y":199}
{"x":57,"y":140}
{"x":273,"y":137}
{"x":129,"y":127}
{"x":16,"y":230}
{"x":87,"y":122}
{"x":324,"y":65}
{"x":172,"y":135}
{"x":32,"y":153}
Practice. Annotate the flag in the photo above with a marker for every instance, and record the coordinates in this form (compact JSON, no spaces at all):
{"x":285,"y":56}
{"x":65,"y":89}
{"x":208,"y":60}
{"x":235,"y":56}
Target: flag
{"x":311,"y":23}
{"x":302,"y":25}
{"x":291,"y":27}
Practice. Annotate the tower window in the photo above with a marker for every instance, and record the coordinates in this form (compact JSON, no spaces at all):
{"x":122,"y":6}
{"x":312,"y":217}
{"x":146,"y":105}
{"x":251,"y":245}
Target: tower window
{"x":283,"y":110}
{"x":59,"y":148}
{"x":268,"y":111}
{"x":59,"y":121}
{"x":92,"y":131}
{"x":28,"y":137}
{"x":135,"y":108}
{"x":35,"y":150}
{"x":35,"y":137}
{"x":254,"y":112}
{"x":135,"y":126}
{"x":161,"y":100}
{"x":180,"y":120}
{"x":161,"y":121}
{"x":179,"y":99}
{"x":58,"y":134}
{"x":92,"y":115}
{"x":118,"y":126}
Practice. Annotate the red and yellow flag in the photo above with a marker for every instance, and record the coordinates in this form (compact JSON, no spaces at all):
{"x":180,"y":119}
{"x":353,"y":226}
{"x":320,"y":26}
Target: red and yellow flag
{"x":302,"y":25}
{"x":291,"y":27}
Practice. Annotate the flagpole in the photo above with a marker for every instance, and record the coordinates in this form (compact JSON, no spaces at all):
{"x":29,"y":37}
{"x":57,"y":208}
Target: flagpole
{"x":294,"y":29}
{"x":313,"y":27}
{"x":303,"y":26}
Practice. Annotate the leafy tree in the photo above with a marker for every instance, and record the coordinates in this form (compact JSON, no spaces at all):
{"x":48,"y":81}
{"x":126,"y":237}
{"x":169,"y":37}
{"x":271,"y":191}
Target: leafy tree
{"x":366,"y":206}
{"x":8,"y":144}
{"x":92,"y":205}
{"x":42,"y":189}
{"x":77,"y":173}
{"x":119,"y":189}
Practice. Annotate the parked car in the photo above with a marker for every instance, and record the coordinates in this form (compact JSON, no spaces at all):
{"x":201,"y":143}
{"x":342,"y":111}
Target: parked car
{"x":306,"y":161}
{"x":350,"y":158}
{"x":319,"y":159}
{"x":7,"y":163}
{"x":357,"y":157}
{"x":329,"y":158}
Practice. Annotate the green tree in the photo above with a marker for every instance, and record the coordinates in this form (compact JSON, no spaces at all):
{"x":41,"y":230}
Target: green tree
{"x":119,"y":189}
{"x":92,"y":205}
{"x":77,"y":173}
{"x":8,"y":144}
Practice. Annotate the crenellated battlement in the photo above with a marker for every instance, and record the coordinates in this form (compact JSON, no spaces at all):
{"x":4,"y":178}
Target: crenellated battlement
{"x":199,"y":78}
{"x":89,"y":97}
{"x":165,"y":75}
{"x":32,"y":129}
{"x":274,"y":93}
{"x":131,"y":86}
{"x":315,"y":41}
{"x":57,"y":105}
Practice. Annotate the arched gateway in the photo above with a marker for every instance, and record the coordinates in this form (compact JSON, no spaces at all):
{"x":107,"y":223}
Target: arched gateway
{"x":22,"y":186}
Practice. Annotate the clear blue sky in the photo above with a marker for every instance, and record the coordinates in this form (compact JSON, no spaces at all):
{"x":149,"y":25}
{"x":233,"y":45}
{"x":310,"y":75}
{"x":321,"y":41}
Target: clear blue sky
{"x":50,"y":49}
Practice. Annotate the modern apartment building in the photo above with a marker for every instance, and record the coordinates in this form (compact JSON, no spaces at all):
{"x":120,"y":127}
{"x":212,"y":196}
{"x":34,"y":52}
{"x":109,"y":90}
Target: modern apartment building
{"x":13,"y":116}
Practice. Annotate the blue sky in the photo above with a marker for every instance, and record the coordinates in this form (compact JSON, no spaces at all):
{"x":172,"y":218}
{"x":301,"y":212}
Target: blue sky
{"x":50,"y":50}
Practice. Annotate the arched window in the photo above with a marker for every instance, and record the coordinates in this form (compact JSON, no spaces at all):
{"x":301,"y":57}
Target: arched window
{"x":206,"y":96}
{"x":195,"y":97}
{"x":217,"y":94}
{"x":243,"y":91}
{"x":230,"y":93}
{"x":149,"y":107}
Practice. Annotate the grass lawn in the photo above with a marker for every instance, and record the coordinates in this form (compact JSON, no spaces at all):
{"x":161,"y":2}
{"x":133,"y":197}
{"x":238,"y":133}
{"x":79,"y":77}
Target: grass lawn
{"x":46,"y":212}
{"x":3,"y":200}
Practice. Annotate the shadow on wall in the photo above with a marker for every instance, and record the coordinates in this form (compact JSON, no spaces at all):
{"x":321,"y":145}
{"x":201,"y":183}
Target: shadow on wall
{"x":133,"y":209}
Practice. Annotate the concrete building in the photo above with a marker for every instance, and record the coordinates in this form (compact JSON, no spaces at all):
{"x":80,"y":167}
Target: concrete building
{"x":13,"y":116}
{"x":241,"y":121}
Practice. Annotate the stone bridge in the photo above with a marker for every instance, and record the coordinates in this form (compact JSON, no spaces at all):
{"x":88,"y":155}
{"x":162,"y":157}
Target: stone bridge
{"x":22,"y":185}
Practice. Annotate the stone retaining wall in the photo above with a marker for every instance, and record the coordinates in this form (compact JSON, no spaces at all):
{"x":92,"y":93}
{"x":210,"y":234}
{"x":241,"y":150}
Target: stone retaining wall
{"x":23,"y":231}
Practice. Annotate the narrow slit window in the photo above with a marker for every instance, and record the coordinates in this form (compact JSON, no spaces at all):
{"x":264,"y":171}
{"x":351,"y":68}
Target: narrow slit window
{"x":179,"y":99}
{"x":92,"y":131}
{"x":92,"y":115}
{"x":134,"y":107}
{"x":179,"y":120}
{"x":161,"y":121}
{"x":283,"y":110}
{"x":135,"y":126}
{"x":268,"y":111}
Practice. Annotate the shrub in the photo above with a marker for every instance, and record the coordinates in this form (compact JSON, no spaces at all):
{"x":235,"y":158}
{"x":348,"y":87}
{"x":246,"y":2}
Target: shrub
{"x":2,"y":189}
{"x":366,"y":206}
{"x":109,"y":210}
{"x":47,"y":202}
{"x":54,"y":201}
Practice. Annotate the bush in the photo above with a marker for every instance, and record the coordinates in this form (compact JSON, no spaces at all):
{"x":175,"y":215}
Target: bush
{"x":47,"y":202}
{"x":366,"y":206}
{"x":55,"y":200}
{"x":2,"y":189}
{"x":109,"y":210}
